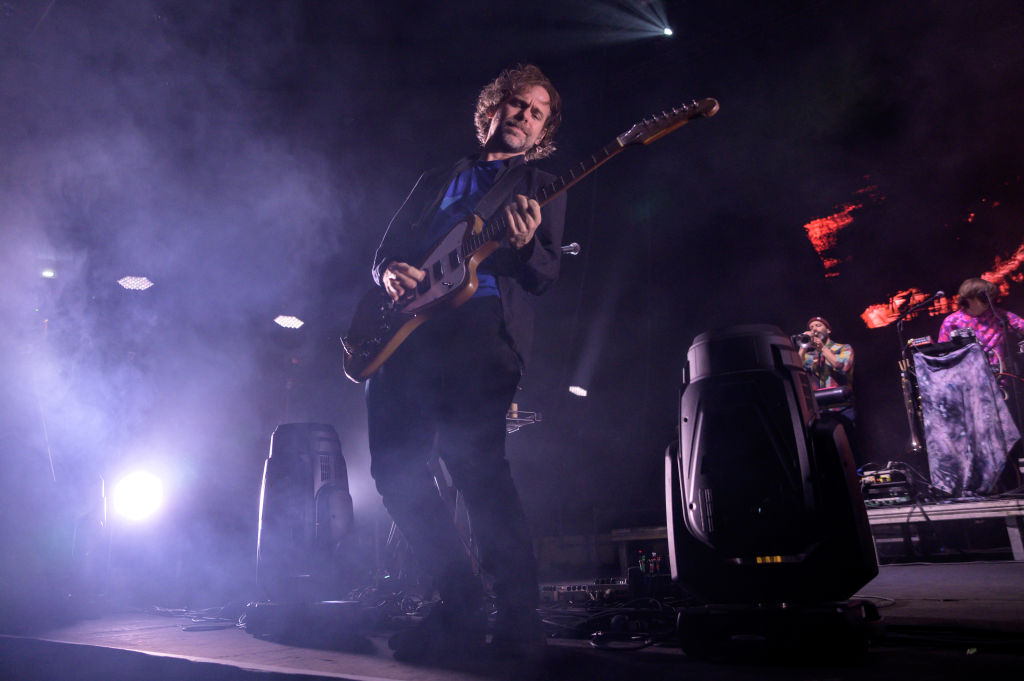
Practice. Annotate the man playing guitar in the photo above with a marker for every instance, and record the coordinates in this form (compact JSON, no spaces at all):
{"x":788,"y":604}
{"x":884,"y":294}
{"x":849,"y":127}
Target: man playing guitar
{"x":450,"y":384}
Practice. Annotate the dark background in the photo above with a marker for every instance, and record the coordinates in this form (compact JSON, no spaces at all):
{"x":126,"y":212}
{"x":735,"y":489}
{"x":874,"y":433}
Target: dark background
{"x":245,"y":156}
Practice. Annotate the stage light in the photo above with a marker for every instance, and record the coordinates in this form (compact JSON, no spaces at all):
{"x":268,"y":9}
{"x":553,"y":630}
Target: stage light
{"x":766,"y":523}
{"x":138,"y":495}
{"x":626,"y":20}
{"x":48,"y":273}
{"x":134,"y":283}
{"x":578,"y":391}
{"x":288,"y":322}
{"x":304,"y":549}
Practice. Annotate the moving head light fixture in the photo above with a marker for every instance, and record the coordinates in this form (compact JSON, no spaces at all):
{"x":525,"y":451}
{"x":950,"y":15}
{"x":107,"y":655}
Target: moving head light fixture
{"x":762,"y":498}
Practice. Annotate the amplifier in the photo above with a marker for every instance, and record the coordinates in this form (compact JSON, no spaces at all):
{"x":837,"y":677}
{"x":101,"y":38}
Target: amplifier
{"x":889,"y":486}
{"x":597,"y":590}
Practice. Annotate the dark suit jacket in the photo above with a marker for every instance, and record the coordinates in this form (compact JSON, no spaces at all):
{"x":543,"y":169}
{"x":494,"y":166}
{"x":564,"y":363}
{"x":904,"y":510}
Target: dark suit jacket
{"x":520,"y":273}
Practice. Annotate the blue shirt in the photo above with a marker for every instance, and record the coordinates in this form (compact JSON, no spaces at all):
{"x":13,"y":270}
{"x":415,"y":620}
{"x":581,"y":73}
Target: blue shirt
{"x":464,"y":192}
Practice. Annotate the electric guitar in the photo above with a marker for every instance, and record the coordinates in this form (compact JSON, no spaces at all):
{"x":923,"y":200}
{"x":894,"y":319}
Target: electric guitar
{"x":380,"y":325}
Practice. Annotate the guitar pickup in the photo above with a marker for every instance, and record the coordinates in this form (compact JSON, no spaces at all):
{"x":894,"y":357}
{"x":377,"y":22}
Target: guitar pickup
{"x":438,"y":271}
{"x":454,"y":260}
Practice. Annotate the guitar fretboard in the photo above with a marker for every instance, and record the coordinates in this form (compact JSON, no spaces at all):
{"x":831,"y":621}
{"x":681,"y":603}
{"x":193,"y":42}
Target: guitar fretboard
{"x":496,"y":227}
{"x":643,"y":133}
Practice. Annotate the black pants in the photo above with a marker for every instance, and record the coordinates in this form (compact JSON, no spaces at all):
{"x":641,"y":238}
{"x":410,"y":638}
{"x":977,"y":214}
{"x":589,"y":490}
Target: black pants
{"x":454,"y":379}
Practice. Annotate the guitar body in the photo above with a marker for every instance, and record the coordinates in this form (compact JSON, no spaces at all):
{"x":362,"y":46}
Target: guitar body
{"x":380,"y":325}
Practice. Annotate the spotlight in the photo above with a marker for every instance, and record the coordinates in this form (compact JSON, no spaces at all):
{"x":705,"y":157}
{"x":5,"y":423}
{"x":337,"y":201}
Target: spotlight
{"x":667,"y":31}
{"x":48,"y":273}
{"x":134,"y":283}
{"x":304,"y":549}
{"x":138,"y":495}
{"x":288,"y":322}
{"x":578,"y":391}
{"x":766,"y":523}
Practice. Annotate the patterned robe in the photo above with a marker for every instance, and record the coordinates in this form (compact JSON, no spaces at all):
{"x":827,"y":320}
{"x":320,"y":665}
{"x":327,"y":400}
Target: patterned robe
{"x":967,"y":426}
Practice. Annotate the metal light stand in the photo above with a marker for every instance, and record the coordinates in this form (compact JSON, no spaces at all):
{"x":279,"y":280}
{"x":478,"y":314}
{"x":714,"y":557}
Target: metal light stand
{"x":517,"y":418}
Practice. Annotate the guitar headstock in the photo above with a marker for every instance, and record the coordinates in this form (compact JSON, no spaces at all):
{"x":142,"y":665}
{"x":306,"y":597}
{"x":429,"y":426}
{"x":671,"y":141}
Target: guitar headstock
{"x":655,"y":127}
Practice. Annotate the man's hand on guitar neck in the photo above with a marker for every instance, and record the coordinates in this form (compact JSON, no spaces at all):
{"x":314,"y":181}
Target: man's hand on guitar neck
{"x":522,"y":217}
{"x":400,"y":278}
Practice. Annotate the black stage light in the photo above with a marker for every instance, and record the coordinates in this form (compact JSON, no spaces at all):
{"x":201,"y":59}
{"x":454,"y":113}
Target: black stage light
{"x":762,"y":497}
{"x":306,"y":517}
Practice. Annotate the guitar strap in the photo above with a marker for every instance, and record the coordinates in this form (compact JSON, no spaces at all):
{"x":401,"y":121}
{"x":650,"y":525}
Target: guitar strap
{"x":499,"y":192}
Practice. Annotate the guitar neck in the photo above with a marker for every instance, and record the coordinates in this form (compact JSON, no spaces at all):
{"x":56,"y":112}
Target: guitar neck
{"x":578,"y":172}
{"x":645,"y":132}
{"x":496,"y":227}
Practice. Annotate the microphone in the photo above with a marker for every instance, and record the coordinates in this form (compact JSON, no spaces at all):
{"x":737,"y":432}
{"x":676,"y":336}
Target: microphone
{"x":571,"y":249}
{"x":989,"y":292}
{"x":923,"y":303}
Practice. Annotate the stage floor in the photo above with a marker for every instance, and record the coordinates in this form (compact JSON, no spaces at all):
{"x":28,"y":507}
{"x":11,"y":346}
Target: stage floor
{"x":950,"y":620}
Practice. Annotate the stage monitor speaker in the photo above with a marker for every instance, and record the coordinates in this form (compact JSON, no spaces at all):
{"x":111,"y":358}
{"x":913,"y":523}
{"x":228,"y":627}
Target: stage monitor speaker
{"x":305,"y":525}
{"x":762,"y":497}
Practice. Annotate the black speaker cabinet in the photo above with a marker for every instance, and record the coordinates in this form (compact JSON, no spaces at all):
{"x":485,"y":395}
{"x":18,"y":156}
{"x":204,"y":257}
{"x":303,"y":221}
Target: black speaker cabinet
{"x":762,"y":498}
{"x":306,"y":516}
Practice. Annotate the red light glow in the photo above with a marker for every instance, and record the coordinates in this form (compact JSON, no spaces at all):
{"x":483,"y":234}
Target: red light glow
{"x":877,"y":316}
{"x":1003,"y":272}
{"x":823,"y":233}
